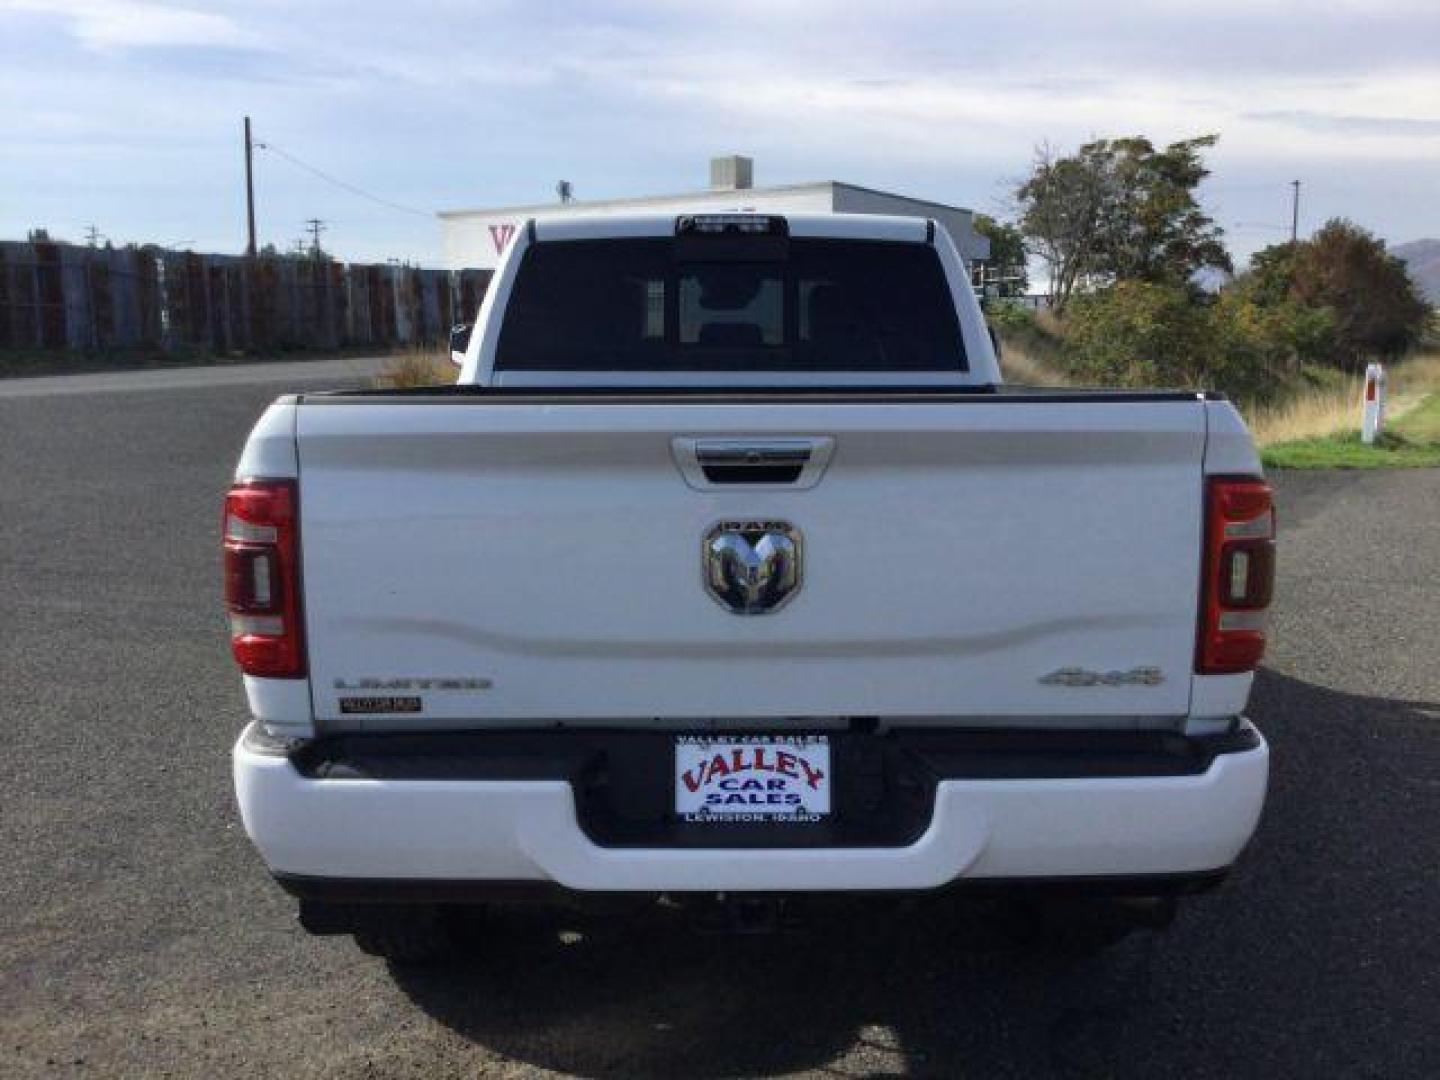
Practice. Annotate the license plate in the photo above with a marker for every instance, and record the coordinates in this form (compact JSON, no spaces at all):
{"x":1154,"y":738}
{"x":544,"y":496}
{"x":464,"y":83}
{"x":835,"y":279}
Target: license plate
{"x":752,"y":778}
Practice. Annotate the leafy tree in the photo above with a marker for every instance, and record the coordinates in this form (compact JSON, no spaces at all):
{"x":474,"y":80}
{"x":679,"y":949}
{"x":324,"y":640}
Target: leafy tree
{"x":1120,"y":210}
{"x":1374,"y":303}
{"x":1262,"y":302}
{"x":1007,"y":256}
{"x":1271,"y":274}
{"x":1153,"y":229}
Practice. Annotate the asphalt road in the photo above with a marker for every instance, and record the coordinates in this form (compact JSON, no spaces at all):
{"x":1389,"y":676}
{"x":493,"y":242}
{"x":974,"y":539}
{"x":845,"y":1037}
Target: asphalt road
{"x":336,"y":372}
{"x":140,"y":936}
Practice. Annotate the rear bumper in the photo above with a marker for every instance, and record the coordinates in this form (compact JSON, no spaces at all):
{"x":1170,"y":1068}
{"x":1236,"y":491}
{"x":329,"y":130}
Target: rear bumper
{"x":454,"y":832}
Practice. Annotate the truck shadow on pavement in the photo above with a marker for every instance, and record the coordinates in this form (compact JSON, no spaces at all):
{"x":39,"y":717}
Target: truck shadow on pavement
{"x":1299,"y":961}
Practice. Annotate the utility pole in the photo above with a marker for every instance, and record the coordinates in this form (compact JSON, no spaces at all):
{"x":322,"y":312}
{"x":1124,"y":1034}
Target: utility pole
{"x":249,"y":192}
{"x":92,"y":235}
{"x":1295,"y":212}
{"x":316,"y":227}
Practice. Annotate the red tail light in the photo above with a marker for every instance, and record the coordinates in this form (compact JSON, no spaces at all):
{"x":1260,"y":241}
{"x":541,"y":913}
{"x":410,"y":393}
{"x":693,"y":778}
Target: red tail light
{"x":262,"y":579}
{"x":1239,"y":574}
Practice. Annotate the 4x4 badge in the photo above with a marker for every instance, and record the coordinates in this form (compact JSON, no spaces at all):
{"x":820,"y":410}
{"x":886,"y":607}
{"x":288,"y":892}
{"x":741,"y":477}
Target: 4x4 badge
{"x":1074,"y":676}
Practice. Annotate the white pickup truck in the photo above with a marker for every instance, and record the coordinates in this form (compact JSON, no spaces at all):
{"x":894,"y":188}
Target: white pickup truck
{"x":730,"y":568}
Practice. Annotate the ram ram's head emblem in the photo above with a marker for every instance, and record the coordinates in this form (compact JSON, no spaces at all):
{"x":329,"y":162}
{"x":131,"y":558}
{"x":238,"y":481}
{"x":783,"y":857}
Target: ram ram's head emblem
{"x":752,"y":567}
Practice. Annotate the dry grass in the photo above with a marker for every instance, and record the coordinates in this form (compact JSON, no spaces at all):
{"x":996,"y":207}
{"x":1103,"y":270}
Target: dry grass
{"x":1019,"y":365}
{"x":417,"y":367}
{"x":1415,"y":378}
{"x":1308,"y":414}
{"x":1326,"y":411}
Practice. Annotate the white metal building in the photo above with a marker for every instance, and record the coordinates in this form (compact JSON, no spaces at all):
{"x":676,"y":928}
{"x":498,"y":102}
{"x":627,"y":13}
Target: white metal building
{"x":474,"y":239}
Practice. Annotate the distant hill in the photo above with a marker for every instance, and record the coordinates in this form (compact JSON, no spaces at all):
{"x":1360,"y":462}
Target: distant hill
{"x":1422,"y":259}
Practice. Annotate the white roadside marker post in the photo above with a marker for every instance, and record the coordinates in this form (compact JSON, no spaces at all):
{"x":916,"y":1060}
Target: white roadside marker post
{"x":1372,"y":409}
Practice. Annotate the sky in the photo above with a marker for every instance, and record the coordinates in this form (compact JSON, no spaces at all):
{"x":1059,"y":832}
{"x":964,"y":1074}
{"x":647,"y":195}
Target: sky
{"x":126,"y":114}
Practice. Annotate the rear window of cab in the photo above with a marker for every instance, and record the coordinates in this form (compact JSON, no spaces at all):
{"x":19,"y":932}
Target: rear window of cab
{"x":805,"y":304}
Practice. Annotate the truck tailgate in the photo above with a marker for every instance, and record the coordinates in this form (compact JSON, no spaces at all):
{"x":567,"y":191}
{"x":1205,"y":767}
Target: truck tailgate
{"x":497,"y":562}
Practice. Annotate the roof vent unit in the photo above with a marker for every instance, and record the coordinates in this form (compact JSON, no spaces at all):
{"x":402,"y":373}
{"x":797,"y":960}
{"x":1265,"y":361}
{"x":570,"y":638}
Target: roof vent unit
{"x":732,"y":173}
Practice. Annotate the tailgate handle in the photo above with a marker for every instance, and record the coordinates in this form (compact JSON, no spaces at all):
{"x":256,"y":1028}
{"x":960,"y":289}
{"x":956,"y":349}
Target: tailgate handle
{"x":722,"y":462}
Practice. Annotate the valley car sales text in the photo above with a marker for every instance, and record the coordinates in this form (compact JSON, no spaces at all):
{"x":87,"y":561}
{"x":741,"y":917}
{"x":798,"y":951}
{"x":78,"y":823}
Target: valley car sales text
{"x":754,"y":780}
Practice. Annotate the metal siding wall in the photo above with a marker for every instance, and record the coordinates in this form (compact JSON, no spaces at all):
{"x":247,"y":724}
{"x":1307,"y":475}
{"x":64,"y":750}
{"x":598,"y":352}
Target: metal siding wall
{"x":402,"y":287}
{"x":428,"y":308}
{"x":287,"y":298}
{"x":335,"y":289}
{"x":147,"y":298}
{"x":260,"y":301}
{"x":49,"y":296}
{"x":357,"y":311}
{"x":17,"y":296}
{"x":76,"y":313}
{"x":59,"y":296}
{"x":124,"y":297}
{"x":473,"y":286}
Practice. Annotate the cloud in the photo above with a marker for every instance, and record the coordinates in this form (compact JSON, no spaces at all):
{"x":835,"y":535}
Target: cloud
{"x":128,"y":111}
{"x":934,"y":114}
{"x":108,"y":25}
{"x":1404,"y":127}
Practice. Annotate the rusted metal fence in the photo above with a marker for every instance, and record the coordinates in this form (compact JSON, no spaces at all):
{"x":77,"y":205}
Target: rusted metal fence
{"x":63,"y":296}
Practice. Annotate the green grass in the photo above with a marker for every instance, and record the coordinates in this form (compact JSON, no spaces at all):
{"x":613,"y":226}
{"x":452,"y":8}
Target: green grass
{"x":1411,"y":442}
{"x":1422,"y":423}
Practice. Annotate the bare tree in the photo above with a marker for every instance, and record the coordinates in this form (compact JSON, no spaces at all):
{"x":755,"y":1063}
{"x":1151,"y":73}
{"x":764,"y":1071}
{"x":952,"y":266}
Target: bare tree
{"x":1061,"y":204}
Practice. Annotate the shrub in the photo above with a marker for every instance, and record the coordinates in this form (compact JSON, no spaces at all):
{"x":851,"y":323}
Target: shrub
{"x":1009,"y":318}
{"x":416,"y":368}
{"x":1138,"y":334}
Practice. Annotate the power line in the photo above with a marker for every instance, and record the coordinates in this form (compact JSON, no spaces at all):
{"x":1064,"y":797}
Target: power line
{"x":340,"y":183}
{"x":1269,"y":225}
